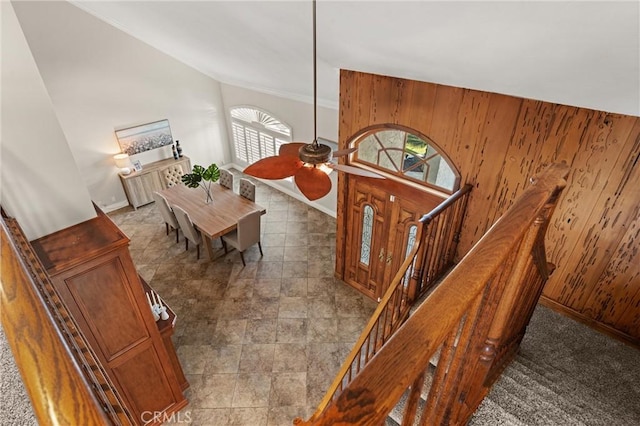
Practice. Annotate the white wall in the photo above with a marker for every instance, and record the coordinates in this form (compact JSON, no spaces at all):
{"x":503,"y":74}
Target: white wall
{"x":39,"y":182}
{"x":101,"y":79}
{"x":298,"y":115}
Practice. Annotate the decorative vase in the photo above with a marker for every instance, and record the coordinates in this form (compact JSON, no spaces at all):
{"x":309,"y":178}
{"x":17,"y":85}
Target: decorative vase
{"x":175,"y":153}
{"x":178,"y":148}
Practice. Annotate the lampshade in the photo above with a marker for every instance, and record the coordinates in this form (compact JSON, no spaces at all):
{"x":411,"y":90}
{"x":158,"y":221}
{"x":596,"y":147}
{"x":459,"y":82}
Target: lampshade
{"x":122,"y":160}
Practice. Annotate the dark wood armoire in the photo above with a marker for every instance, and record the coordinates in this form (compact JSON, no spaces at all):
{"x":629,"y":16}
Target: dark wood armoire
{"x":91,"y":268}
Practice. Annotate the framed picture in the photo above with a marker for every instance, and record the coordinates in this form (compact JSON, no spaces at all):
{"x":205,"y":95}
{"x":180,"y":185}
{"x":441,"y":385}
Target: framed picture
{"x":137,"y":139}
{"x":137,"y":165}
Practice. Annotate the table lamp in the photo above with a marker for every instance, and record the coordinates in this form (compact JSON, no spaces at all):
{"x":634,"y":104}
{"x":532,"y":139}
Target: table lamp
{"x":122,"y":161}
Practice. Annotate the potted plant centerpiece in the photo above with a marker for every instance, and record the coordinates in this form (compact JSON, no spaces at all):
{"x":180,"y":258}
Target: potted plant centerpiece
{"x":203,"y":178}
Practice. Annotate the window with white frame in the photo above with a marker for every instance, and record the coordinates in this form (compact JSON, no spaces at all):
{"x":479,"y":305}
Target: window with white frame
{"x":256,"y":134}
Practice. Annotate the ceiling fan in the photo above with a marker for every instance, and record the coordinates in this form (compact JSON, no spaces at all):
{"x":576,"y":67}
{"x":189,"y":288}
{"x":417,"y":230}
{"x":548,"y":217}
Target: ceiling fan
{"x":308,"y":163}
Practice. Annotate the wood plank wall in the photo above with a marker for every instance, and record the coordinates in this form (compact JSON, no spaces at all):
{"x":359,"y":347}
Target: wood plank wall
{"x":498,"y":142}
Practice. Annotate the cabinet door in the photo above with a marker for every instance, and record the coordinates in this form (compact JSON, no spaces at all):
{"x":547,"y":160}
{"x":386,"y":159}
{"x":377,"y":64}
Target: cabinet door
{"x":106,"y":299}
{"x":151,"y":182}
{"x":141,"y":187}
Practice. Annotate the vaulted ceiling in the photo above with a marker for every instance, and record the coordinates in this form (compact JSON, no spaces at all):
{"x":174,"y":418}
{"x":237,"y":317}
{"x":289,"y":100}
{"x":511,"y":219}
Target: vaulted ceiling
{"x":578,"y":53}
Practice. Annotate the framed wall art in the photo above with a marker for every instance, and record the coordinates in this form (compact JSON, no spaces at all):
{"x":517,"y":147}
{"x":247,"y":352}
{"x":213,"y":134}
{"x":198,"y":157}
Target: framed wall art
{"x":145,"y":137}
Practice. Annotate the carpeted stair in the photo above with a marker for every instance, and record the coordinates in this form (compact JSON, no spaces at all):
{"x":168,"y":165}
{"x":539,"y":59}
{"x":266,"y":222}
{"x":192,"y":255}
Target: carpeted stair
{"x":564,"y":374}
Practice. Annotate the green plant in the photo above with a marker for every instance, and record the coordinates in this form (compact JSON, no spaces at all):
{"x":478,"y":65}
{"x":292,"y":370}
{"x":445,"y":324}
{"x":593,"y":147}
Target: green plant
{"x":203,"y":178}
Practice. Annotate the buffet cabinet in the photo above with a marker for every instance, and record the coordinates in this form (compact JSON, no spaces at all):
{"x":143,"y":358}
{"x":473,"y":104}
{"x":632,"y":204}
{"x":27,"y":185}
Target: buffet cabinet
{"x":91,"y":268}
{"x":140,"y":185}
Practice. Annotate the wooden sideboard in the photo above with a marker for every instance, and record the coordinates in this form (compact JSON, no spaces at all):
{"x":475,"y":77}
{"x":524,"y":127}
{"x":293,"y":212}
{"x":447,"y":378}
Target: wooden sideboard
{"x":140,"y":186}
{"x":91,"y":268}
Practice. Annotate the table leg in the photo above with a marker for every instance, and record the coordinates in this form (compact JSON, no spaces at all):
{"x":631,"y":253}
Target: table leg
{"x":207,"y":242}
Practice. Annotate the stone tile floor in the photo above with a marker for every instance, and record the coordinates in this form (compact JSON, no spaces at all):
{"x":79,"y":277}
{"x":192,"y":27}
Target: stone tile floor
{"x":259,"y":344}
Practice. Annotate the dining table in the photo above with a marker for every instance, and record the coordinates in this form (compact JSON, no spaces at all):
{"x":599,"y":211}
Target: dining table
{"x":213,"y":218}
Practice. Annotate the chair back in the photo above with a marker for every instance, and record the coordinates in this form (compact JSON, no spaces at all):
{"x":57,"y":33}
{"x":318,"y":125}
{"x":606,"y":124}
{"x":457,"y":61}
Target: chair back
{"x":190,"y":232}
{"x":247,"y":189}
{"x":226,"y":178}
{"x":173,"y":175}
{"x":165,"y":211}
{"x":248,"y":230}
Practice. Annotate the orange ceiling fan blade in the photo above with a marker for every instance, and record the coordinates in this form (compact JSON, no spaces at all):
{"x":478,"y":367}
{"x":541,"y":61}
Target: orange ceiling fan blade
{"x":290,"y":148}
{"x":276,"y":167}
{"x":312,"y":182}
{"x":355,"y":171}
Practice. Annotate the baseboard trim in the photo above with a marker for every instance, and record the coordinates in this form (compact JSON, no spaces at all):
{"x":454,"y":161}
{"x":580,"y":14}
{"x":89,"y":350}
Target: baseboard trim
{"x":115,"y":206}
{"x":590,"y":322}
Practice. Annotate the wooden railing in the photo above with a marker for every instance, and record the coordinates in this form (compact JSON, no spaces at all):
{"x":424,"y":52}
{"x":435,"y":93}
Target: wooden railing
{"x":474,"y":319}
{"x":61,"y":373}
{"x":440,"y":233}
{"x":431,"y":256}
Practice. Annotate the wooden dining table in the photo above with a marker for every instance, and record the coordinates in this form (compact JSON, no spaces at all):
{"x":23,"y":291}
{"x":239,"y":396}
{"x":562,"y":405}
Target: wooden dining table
{"x":215,"y":218}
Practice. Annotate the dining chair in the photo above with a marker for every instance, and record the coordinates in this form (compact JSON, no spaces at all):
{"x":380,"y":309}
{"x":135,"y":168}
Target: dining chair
{"x":246,"y":234}
{"x":226,"y":178}
{"x":247,"y":189}
{"x":173,"y":175}
{"x":167,"y":214}
{"x":188,"y":229}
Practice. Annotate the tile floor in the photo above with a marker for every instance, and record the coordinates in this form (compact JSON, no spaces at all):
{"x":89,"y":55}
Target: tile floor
{"x":259,"y":344}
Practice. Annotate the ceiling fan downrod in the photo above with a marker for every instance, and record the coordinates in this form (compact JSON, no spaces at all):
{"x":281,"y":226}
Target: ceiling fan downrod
{"x":315,"y":153}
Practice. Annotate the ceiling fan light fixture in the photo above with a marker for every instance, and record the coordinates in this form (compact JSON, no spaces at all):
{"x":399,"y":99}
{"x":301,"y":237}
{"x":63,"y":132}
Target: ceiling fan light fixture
{"x":325,"y":168}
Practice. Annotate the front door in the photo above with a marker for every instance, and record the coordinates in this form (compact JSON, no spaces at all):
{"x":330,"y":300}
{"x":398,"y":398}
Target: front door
{"x":382,"y":224}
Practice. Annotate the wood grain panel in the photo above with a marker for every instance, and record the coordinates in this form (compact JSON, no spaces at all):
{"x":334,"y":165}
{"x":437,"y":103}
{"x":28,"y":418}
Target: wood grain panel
{"x":524,"y":148}
{"x":619,"y":281}
{"x":489,"y":155}
{"x":498,"y":142}
{"x":421,"y":108}
{"x":360,"y":115}
{"x":445,"y":111}
{"x":384,"y":102}
{"x":629,"y":277}
{"x":569,"y":125}
{"x":611,"y":301}
{"x":595,"y":180}
{"x":471,"y":122}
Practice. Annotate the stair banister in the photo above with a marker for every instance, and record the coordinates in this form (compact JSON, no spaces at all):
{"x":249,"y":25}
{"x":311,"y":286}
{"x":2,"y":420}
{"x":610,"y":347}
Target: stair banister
{"x":472,"y":290}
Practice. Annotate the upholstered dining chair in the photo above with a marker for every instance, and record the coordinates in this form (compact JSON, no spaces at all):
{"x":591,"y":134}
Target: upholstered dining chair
{"x":226,"y":179}
{"x":167,"y":214}
{"x":173,"y":175}
{"x":247,"y":189}
{"x":188,"y":229}
{"x":246,"y":234}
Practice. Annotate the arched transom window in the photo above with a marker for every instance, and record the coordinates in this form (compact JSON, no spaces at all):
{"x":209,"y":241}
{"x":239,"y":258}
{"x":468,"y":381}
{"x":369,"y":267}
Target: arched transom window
{"x":402,"y":153}
{"x":256,"y":134}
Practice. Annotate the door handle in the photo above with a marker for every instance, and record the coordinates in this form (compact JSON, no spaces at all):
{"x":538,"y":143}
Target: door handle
{"x":389,"y":258}
{"x":381,"y":255}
